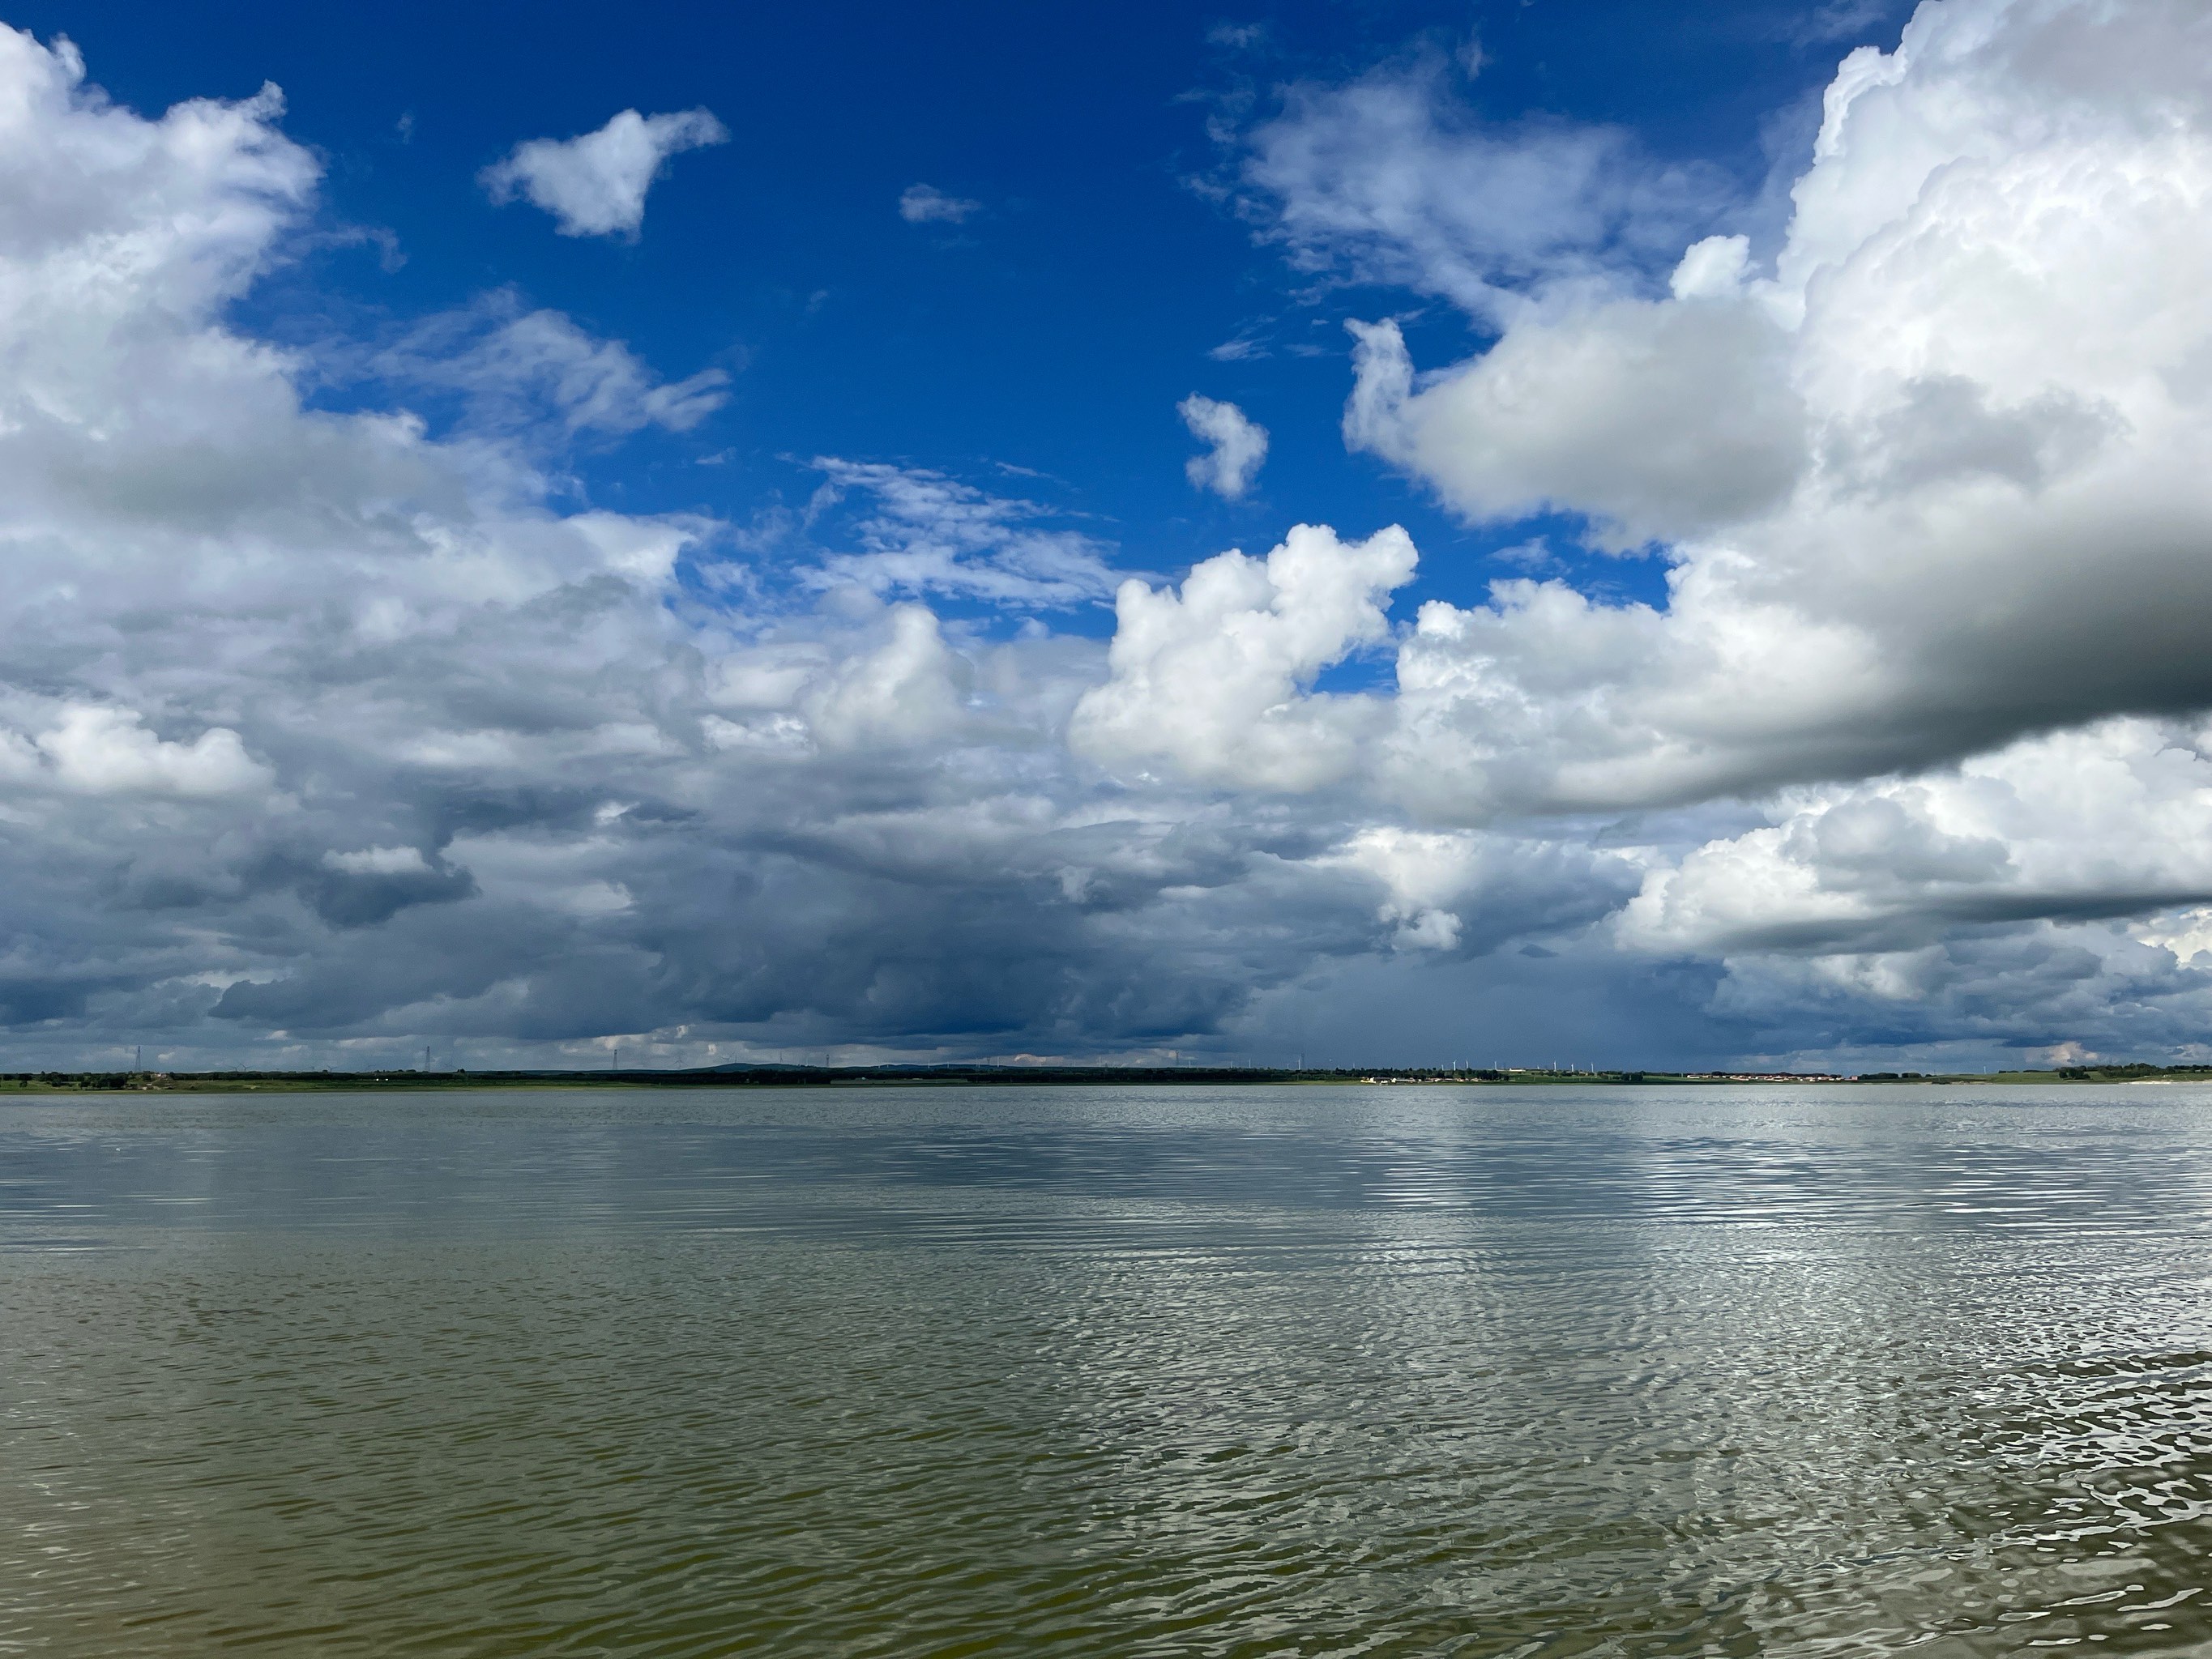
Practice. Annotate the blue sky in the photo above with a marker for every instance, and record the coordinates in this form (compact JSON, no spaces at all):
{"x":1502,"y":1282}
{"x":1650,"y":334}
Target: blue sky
{"x":1730,"y":441}
{"x":1052,"y":331}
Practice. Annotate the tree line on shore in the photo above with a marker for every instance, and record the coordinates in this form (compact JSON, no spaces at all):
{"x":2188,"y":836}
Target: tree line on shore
{"x":785,"y":1076}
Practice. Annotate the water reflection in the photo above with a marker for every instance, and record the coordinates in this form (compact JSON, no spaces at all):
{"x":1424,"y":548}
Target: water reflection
{"x":1386,"y":1371}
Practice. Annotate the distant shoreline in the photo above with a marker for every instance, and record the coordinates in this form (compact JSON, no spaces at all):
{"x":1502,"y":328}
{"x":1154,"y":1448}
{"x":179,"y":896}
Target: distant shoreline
{"x":755,"y":1077}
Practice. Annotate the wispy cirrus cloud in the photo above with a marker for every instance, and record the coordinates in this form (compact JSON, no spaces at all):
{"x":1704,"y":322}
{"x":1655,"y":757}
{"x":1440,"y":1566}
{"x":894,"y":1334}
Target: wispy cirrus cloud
{"x":924,"y":533}
{"x":1391,"y":179}
{"x":514,"y":369}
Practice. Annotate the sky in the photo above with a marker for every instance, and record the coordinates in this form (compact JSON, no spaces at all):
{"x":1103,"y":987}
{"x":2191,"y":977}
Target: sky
{"x":1510,"y":534}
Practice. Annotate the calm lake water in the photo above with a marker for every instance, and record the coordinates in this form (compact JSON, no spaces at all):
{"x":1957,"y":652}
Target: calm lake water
{"x":1379,"y":1371}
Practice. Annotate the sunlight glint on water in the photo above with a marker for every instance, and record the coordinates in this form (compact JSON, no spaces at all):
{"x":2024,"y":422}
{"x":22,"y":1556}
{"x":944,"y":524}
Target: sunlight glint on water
{"x":1168,"y":1372}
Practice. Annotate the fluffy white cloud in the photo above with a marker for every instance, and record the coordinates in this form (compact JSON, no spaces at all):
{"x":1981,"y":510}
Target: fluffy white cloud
{"x":907,"y":694}
{"x":1212,"y":679}
{"x":926,"y":204}
{"x":1464,"y":889}
{"x":1239,"y":445}
{"x":99,"y":751}
{"x":102,"y":750}
{"x":595,"y":184}
{"x":1425,"y":872}
{"x":1659,"y":421}
{"x":2111,"y":820}
{"x":1927,"y":486}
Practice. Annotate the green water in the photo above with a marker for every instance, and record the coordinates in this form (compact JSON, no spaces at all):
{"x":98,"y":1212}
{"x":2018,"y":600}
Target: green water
{"x":1387,"y":1372}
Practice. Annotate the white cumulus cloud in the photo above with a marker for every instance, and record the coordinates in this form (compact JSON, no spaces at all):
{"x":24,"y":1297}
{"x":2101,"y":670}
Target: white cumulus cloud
{"x":102,"y":750}
{"x":1926,"y":483}
{"x":595,"y":184}
{"x":1239,"y":445}
{"x":1213,"y":679}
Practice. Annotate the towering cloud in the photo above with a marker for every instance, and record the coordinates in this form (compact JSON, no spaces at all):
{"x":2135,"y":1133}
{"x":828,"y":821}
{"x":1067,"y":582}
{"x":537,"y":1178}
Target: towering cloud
{"x":1214,"y":679}
{"x":1925,"y":480}
{"x":1917,"y":483}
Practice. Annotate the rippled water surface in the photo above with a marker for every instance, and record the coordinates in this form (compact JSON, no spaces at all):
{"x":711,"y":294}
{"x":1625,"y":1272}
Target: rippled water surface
{"x":1388,"y":1370}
